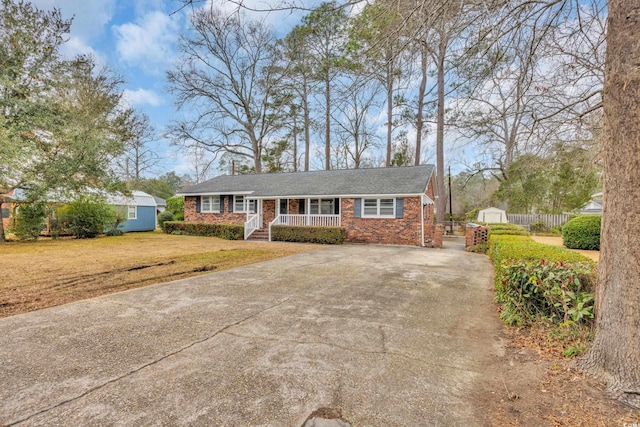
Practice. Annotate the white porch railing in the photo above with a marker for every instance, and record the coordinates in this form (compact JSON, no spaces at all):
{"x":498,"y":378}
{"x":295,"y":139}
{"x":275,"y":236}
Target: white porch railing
{"x":306,"y":221}
{"x":252,"y":224}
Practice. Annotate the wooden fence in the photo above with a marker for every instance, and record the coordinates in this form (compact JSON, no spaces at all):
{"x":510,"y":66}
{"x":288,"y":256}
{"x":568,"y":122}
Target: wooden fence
{"x":550,"y":220}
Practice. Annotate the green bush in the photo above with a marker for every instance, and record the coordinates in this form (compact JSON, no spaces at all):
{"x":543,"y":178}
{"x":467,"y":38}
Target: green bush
{"x":536,"y":281}
{"x":223,"y":231}
{"x":513,"y":229}
{"x":325,"y":235}
{"x":164,"y":217}
{"x":30,"y":220}
{"x":88,"y":217}
{"x":582,"y":232}
{"x":175,"y":205}
{"x":539,"y":227}
{"x":115,"y":232}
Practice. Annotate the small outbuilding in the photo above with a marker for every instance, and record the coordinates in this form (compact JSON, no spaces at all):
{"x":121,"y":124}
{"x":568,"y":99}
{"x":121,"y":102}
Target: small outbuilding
{"x":139,"y":209}
{"x":492,"y":215}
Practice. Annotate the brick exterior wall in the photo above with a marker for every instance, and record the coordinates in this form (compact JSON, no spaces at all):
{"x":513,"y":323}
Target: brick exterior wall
{"x":268,"y":212}
{"x":226,"y":217}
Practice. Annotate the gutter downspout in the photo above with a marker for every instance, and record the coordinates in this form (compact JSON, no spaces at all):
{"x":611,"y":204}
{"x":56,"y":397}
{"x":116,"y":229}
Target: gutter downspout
{"x":422,"y":221}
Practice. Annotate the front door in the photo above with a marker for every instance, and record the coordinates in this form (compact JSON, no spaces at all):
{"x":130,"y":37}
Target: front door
{"x":284,"y":207}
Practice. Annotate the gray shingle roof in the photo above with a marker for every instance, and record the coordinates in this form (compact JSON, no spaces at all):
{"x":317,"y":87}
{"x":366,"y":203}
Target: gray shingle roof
{"x":398,"y":181}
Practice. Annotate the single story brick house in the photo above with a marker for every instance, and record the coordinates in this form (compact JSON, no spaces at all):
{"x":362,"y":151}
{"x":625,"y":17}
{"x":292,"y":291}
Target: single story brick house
{"x":379,"y":205}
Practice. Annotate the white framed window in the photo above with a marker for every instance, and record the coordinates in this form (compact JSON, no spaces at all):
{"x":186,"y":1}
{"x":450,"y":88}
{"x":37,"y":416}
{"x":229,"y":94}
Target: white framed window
{"x":238,"y":204}
{"x":132,"y":212}
{"x":210,"y":204}
{"x":379,"y":208}
{"x":321,"y":206}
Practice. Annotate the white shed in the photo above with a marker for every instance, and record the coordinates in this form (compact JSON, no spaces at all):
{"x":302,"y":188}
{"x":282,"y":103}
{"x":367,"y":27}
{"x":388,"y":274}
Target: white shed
{"x":492,"y":215}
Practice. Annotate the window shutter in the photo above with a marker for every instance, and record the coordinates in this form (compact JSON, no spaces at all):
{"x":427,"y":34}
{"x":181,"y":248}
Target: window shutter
{"x":302,"y":206}
{"x":230,"y":203}
{"x":198,"y":204}
{"x":357,"y":208}
{"x":399,"y":208}
{"x":336,"y":206}
{"x":221,"y":204}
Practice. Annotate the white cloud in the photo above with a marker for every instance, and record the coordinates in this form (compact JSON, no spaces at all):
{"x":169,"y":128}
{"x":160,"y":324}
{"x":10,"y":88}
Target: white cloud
{"x":142,"y":97}
{"x":89,"y":17}
{"x":149,"y":42}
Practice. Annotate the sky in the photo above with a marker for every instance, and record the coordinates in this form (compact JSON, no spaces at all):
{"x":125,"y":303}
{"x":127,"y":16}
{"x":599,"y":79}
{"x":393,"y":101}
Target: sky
{"x":138,"y":39}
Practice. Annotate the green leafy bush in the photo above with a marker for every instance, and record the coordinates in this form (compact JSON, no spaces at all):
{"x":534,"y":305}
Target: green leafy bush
{"x":175,"y":205}
{"x":164,"y":217}
{"x":30,"y":220}
{"x":88,"y":217}
{"x":513,"y":229}
{"x":539,"y":227}
{"x":223,"y":231}
{"x":325,"y":235}
{"x":535,"y":281}
{"x":582,"y":232}
{"x":115,"y":232}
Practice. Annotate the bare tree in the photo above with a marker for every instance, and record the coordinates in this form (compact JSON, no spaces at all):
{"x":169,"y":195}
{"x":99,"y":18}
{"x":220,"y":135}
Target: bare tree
{"x":358,"y":96}
{"x":139,"y":156}
{"x":226,"y":79}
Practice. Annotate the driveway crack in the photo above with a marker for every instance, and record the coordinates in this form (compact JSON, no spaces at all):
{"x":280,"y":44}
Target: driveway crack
{"x":146,"y":365}
{"x":384,"y":352}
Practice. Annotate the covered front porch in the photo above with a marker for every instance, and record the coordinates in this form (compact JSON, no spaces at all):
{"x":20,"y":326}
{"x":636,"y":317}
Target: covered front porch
{"x":302,"y":212}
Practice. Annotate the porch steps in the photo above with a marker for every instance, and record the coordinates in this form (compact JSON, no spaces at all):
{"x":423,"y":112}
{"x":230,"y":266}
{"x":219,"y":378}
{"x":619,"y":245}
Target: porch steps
{"x":260,"y":235}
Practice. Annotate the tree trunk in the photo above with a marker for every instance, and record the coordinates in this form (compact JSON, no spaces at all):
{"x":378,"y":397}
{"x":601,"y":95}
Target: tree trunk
{"x":420,"y":113}
{"x":389,"y":105}
{"x":327,"y":125}
{"x":615,"y":354}
{"x":307,"y":124}
{"x":441,"y":202}
{"x":1,"y":223}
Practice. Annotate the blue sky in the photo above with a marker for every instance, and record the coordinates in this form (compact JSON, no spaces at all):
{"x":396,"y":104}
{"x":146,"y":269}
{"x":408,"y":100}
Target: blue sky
{"x":138,"y":39}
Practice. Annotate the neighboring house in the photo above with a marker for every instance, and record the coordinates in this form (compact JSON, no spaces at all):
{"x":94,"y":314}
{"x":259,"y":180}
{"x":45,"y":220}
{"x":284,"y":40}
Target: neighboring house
{"x":593,"y":206}
{"x":7,"y":210}
{"x":161,"y":204}
{"x":492,"y":215}
{"x":139,"y":210}
{"x":384,"y":205}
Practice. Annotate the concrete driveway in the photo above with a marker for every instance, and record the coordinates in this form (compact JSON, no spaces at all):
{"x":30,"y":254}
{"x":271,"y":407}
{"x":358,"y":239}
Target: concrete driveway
{"x":388,"y":336}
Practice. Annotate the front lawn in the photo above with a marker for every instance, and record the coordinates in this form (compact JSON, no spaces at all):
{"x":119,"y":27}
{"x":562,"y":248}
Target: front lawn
{"x":52,"y":272}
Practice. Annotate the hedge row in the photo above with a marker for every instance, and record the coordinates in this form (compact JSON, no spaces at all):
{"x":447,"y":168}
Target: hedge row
{"x":326,"y":235}
{"x":535,"y":281}
{"x":223,"y":231}
{"x":510,"y":229}
{"x":582,"y":232}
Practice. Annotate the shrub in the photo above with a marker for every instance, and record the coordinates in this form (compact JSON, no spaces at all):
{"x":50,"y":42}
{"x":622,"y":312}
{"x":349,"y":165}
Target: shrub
{"x":223,"y":231}
{"x":115,"y":232}
{"x":536,"y":281}
{"x":164,"y":217}
{"x":582,"y":232}
{"x":30,"y":220}
{"x":539,"y":227}
{"x":88,"y":217}
{"x":175,"y":205}
{"x":325,"y":235}
{"x":504,"y":228}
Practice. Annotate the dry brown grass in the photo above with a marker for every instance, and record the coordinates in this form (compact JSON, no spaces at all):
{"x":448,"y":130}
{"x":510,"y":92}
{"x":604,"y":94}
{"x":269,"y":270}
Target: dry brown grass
{"x":52,"y":272}
{"x":557,"y":241}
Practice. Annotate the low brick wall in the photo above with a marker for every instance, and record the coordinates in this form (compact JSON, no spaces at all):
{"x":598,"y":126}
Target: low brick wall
{"x":476,"y":235}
